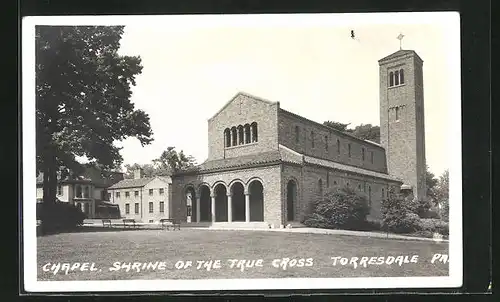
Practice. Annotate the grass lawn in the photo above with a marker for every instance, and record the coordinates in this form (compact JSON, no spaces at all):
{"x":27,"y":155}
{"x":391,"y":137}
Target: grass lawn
{"x":105,"y":248}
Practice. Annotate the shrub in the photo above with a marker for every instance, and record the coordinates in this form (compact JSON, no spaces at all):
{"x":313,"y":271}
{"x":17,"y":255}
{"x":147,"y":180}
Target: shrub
{"x":397,"y":215}
{"x":59,"y":216}
{"x":445,"y":210}
{"x":434,"y":226}
{"x":341,"y":208}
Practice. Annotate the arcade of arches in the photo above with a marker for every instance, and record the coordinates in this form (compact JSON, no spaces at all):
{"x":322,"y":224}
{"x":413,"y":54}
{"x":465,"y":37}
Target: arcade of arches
{"x":221,"y":203}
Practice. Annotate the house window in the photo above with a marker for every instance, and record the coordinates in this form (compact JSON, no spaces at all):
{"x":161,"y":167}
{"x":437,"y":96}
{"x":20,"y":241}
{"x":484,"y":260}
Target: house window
{"x":297,"y":134}
{"x":254,"y":132}
{"x":79,"y":191}
{"x":151,"y":220}
{"x":127,"y":194}
{"x":359,"y":187}
{"x":338,"y":146}
{"x":86,"y":192}
{"x":391,"y":79}
{"x":326,"y":143}
{"x":136,"y":193}
{"x":227,"y":137}
{"x":59,"y":190}
{"x":136,"y":208}
{"x":312,"y":139}
{"x":109,"y":196}
{"x":240,"y":135}
{"x":397,"y":113}
{"x":161,"y":191}
{"x":401,"y":76}
{"x":117,"y":194}
{"x":162,"y":207}
{"x":127,"y":208}
{"x":150,"y":192}
{"x":150,"y":207}
{"x":349,"y":149}
{"x":371,"y":157}
{"x":234,"y":136}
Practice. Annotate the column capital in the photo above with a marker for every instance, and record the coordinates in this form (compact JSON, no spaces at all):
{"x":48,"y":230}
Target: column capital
{"x":246,"y":192}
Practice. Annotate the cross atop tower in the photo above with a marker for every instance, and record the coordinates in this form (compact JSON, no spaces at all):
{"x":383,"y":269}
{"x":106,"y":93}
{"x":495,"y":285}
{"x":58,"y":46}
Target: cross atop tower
{"x":400,"y":38}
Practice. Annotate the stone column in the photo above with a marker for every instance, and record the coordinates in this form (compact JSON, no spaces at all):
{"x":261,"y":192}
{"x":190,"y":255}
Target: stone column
{"x":229,"y":208}
{"x":247,"y":207}
{"x":213,"y":207}
{"x":198,"y":208}
{"x":244,"y":135}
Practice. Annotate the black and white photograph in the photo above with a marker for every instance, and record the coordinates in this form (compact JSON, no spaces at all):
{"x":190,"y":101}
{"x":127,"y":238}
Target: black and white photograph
{"x":241,"y":152}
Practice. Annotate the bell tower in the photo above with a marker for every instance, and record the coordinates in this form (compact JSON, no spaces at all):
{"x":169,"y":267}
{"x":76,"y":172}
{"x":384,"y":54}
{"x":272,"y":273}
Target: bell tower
{"x":402,"y":130}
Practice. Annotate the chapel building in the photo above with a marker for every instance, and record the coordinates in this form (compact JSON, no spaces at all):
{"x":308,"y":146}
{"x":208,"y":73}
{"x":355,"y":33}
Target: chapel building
{"x":266,"y":165}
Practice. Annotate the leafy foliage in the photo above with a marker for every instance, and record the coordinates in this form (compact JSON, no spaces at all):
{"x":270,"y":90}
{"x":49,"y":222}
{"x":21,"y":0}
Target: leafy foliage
{"x":434,"y":226}
{"x":83,"y":90}
{"x":170,"y":161}
{"x":341,"y":208}
{"x":336,"y":125}
{"x":363,"y":131}
{"x":398,"y":214}
{"x":60,"y":216}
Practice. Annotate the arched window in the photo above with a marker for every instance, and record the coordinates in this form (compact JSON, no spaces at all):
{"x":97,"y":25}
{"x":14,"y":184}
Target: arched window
{"x":401,"y":76}
{"x":227,"y":137}
{"x":371,"y":156}
{"x":338,"y":146}
{"x":327,"y":179}
{"x":254,"y":132}
{"x":397,"y":113}
{"x":234,"y":136}
{"x":383,"y":193}
{"x":247,"y":134}
{"x":240,"y":135}
{"x":396,"y":77}
{"x":326,"y":143}
{"x":312,"y":139}
{"x":297,"y":134}
{"x":363,"y":154}
{"x":391,"y":79}
{"x":349,"y":149}
{"x":320,"y":187}
{"x":369,"y":195}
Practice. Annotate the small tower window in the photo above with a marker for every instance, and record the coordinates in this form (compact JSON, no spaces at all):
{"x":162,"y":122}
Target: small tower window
{"x":401,"y":76}
{"x":371,"y":157}
{"x":369,"y":195}
{"x":338,"y":146}
{"x":312,"y":139}
{"x":396,"y":77}
{"x":320,"y":187}
{"x":254,"y":132}
{"x":326,"y":143}
{"x":247,"y":134}
{"x":391,"y":79}
{"x":297,"y":134}
{"x":349,"y":149}
{"x":397,"y":113}
{"x":363,"y":154}
{"x":240,"y":135}
{"x":383,"y":193}
{"x":327,"y":179}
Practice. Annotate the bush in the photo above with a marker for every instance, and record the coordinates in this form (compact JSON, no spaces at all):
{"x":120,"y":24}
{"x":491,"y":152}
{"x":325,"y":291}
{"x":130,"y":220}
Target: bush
{"x":397,"y":214}
{"x":445,"y":210}
{"x":339,"y":209}
{"x":431,"y":214}
{"x":434,"y":226}
{"x":59,"y":216}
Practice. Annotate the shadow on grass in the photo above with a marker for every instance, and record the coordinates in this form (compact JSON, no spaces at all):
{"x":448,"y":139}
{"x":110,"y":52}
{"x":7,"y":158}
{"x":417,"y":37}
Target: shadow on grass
{"x":91,"y":229}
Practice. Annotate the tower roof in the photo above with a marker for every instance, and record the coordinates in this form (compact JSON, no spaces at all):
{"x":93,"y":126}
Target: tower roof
{"x":400,"y":53}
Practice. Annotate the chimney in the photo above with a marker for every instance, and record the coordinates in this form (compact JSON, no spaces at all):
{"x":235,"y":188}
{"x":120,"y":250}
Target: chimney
{"x":138,"y":173}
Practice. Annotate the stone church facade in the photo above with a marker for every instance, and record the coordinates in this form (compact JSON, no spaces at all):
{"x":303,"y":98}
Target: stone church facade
{"x":266,"y":165}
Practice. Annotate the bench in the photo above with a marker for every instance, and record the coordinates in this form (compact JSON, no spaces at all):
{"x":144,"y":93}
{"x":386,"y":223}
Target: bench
{"x":106,"y":221}
{"x":169,"y":222}
{"x":129,"y":223}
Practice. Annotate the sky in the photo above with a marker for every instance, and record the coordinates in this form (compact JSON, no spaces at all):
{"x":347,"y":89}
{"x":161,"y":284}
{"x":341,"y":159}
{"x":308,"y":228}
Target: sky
{"x":193,"y":65}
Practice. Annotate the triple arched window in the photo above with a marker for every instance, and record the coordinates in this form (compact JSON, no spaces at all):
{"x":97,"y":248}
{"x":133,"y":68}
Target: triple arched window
{"x":396,"y":78}
{"x":240,"y":135}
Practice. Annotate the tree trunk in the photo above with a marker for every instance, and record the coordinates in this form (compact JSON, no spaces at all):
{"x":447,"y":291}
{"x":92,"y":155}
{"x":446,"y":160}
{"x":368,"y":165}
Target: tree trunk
{"x":49,"y":187}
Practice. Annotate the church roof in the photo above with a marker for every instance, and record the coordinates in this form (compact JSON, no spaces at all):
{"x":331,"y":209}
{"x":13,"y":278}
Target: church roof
{"x":242,"y":93}
{"x":400,"y":53}
{"x":282,"y":155}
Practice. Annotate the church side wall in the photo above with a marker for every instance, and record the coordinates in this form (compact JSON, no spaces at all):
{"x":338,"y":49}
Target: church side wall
{"x":329,"y":149}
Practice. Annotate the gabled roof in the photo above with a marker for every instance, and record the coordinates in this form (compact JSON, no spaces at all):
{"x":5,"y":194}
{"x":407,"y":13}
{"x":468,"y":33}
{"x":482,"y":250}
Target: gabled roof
{"x":241,"y":93}
{"x":135,"y":183}
{"x":400,"y":53}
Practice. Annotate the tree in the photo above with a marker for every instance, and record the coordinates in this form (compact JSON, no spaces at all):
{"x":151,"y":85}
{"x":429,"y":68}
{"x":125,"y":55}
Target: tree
{"x":363,"y":131}
{"x":430,"y":182}
{"x":336,"y":125}
{"x":172,"y":161}
{"x":148,"y":170}
{"x":442,"y":192}
{"x":83,"y":100}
